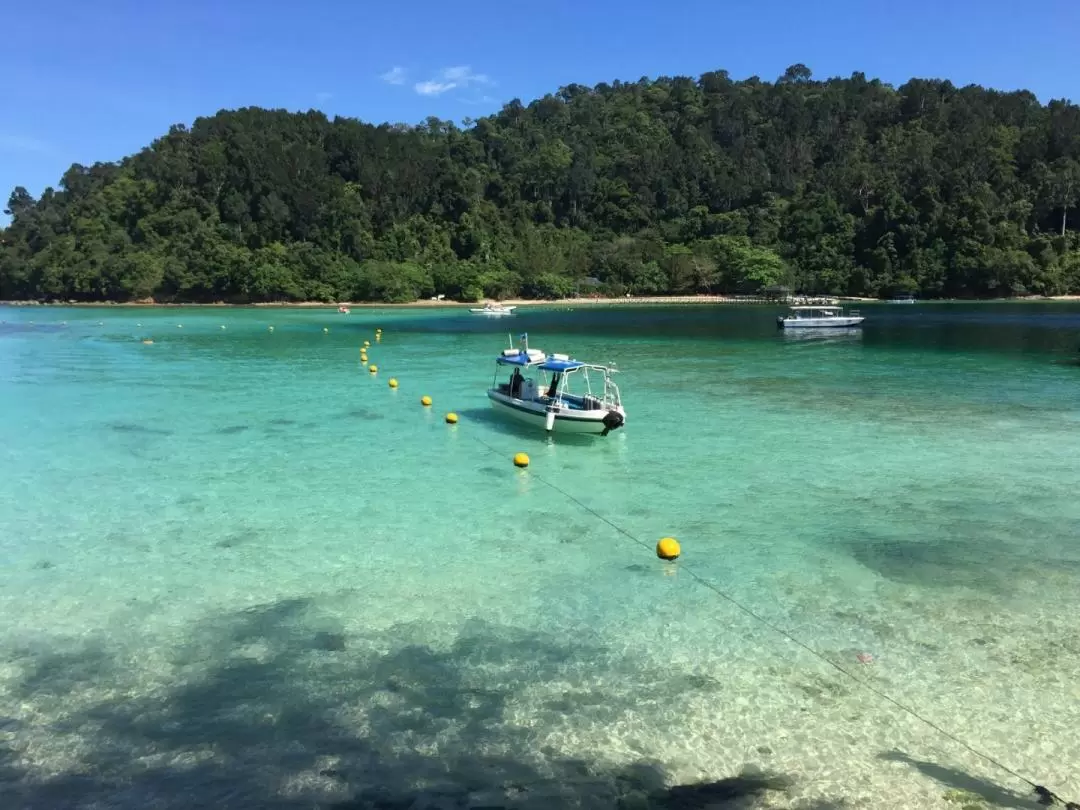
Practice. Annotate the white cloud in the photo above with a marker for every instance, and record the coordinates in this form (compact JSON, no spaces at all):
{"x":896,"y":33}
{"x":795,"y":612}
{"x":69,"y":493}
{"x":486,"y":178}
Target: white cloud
{"x":396,"y":75}
{"x":21,"y":143}
{"x":464,"y":76}
{"x":433,"y":88}
{"x":450,"y":78}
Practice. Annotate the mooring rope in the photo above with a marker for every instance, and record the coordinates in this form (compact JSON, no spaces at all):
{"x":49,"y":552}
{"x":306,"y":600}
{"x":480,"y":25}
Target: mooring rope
{"x":1046,"y":796}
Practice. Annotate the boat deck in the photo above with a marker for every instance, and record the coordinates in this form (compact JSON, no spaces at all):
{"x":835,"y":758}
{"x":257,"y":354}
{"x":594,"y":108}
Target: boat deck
{"x":570,"y":402}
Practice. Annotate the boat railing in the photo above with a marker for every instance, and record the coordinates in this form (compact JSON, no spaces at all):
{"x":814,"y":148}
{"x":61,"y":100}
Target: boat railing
{"x":795,"y":313}
{"x":612,"y":398}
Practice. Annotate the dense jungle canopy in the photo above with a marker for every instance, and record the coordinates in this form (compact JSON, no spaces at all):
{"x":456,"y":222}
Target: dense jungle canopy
{"x":667,"y":185}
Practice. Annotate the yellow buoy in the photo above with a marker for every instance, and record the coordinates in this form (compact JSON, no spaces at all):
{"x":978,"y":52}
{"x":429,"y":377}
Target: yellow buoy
{"x":521,"y":460}
{"x":373,"y":368}
{"x":451,"y":419}
{"x":325,"y":330}
{"x":378,"y":331}
{"x":148,"y":342}
{"x":270,"y":328}
{"x":223,"y":326}
{"x":668,"y":548}
{"x":393,"y":383}
{"x":425,"y":401}
{"x":367,"y":343}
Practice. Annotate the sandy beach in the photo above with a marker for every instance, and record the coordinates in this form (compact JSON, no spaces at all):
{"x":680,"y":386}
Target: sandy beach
{"x":424,"y":303}
{"x":663,"y":300}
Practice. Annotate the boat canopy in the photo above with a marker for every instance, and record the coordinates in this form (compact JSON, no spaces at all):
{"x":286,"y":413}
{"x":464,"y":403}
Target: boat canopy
{"x":513,"y":357}
{"x":559,"y":364}
{"x":819,"y":308}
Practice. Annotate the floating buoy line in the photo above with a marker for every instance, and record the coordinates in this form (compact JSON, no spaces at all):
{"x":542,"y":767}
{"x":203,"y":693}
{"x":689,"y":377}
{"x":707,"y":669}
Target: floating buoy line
{"x":669,"y":550}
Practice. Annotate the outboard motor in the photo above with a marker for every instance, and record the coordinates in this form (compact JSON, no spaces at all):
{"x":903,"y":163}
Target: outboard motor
{"x":613,"y":420}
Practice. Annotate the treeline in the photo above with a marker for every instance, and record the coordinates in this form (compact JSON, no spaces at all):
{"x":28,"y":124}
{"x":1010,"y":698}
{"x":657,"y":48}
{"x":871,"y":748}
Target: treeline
{"x":672,"y":185}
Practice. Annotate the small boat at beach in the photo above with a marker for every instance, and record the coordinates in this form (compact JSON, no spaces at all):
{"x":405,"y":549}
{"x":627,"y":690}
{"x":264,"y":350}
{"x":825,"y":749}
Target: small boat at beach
{"x":343,"y":310}
{"x":902,"y":298}
{"x":819,"y":317}
{"x":556,"y":392}
{"x":493,"y":309}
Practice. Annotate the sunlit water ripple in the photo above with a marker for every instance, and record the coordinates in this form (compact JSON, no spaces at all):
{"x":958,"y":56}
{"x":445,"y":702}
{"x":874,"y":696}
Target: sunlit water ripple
{"x":240,"y":571}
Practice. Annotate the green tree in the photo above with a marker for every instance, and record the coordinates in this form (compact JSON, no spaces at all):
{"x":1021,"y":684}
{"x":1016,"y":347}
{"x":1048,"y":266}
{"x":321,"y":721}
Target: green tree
{"x":663,"y":185}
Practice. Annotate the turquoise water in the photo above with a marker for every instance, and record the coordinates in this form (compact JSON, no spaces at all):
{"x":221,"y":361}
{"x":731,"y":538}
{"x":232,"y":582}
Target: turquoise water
{"x":241,"y":571}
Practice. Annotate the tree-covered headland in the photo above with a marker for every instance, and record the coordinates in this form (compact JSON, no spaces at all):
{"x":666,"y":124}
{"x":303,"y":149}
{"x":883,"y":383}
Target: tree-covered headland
{"x":668,"y":185}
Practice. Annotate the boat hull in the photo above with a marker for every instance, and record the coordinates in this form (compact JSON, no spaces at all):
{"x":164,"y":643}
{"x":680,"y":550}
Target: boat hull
{"x":819,"y":323}
{"x":535,"y":414}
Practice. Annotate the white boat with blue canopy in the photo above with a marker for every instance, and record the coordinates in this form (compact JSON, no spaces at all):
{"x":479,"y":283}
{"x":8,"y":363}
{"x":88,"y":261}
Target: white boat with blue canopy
{"x":556,"y":392}
{"x":819,"y":317}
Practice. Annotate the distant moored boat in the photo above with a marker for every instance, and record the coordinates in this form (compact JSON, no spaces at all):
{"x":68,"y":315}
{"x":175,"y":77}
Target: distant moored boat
{"x":807,"y":317}
{"x":493,"y":309}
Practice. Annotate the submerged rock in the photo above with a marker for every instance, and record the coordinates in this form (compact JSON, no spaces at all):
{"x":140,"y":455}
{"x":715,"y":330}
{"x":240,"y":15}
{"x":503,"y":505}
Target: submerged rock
{"x":332,"y":642}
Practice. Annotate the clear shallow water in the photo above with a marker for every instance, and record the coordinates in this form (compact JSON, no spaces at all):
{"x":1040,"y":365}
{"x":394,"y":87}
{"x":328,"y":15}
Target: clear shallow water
{"x":241,"y":571}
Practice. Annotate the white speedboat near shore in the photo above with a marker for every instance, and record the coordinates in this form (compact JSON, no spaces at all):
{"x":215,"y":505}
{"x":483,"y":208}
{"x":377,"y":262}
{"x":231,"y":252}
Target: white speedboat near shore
{"x":811,"y":317}
{"x":493,"y":309}
{"x":556,"y":393}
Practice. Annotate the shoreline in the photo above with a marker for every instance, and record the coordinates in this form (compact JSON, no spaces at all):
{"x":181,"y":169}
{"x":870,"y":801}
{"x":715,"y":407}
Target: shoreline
{"x":662,"y":300}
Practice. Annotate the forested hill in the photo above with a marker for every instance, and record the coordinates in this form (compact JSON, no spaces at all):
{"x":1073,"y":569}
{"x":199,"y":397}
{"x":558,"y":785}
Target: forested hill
{"x":672,"y":185}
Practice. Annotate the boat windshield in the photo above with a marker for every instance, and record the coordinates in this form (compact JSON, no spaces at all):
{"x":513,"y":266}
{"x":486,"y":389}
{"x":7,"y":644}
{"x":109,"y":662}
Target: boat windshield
{"x":567,"y":384}
{"x":816,"y":312}
{"x":576,"y":385}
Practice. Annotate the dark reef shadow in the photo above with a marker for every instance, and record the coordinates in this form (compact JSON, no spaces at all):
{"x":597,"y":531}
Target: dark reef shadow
{"x":280,"y":707}
{"x":137,"y":429}
{"x":930,"y":563}
{"x":958,"y":780}
{"x":237,"y":538}
{"x":363,"y":413}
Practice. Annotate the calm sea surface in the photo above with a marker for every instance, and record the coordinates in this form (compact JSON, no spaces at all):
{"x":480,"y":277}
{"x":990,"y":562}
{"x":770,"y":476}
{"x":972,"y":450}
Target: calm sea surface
{"x":238,"y":570}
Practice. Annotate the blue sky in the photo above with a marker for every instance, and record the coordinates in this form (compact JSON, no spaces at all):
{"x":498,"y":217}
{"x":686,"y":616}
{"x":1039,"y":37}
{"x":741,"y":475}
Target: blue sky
{"x":96,"y":81}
